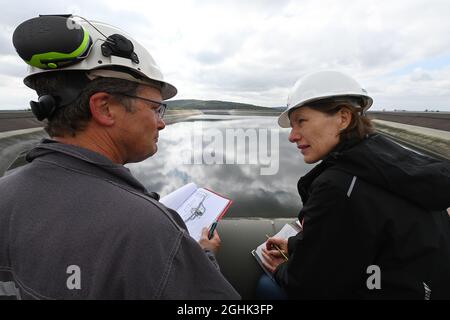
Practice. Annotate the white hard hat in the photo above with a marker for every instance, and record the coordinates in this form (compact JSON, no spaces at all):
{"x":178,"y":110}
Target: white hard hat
{"x":323,"y":85}
{"x":59,"y":43}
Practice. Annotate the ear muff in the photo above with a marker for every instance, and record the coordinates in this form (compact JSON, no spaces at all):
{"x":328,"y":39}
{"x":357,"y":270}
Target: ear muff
{"x":67,"y":91}
{"x":51,"y":42}
{"x":118,"y":45}
{"x":44,"y":108}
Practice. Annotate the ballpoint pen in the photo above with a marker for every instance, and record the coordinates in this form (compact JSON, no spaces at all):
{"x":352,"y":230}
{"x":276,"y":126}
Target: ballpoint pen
{"x":279,"y":250}
{"x":211,"y":231}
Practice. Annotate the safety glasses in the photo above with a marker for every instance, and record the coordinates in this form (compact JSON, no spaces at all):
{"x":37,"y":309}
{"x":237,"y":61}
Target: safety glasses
{"x":160,"y":110}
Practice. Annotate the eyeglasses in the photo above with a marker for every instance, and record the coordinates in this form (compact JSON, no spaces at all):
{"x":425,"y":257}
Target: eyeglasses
{"x":160,"y":110}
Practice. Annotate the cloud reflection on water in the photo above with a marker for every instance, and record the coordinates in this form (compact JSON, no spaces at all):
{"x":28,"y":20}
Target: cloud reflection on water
{"x":253,"y":194}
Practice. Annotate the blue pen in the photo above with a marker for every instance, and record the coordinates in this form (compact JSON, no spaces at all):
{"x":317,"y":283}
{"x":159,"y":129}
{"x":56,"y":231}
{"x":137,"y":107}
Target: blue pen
{"x":211,"y":231}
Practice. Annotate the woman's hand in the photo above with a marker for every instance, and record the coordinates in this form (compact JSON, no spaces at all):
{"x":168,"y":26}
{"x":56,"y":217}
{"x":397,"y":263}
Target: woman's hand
{"x":212,"y":244}
{"x":272,"y":257}
{"x":271,"y":244}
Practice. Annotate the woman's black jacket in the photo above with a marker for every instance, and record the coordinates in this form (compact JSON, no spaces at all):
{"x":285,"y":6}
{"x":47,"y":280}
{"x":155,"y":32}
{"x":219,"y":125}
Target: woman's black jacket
{"x":375,"y":226}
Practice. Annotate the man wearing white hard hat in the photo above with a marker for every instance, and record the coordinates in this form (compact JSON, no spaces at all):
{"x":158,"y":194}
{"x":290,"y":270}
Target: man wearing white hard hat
{"x":74,"y":223}
{"x":374,"y":215}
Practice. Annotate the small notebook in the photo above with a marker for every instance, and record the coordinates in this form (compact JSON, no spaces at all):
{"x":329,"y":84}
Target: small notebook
{"x":288,"y":230}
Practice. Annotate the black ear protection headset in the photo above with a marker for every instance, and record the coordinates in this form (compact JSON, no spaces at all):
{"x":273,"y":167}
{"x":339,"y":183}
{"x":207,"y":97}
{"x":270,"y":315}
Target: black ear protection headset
{"x":44,"y":108}
{"x":47,"y":104}
{"x":52,"y":42}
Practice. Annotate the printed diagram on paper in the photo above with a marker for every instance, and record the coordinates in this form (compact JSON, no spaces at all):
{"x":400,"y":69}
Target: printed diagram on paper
{"x":198,"y":207}
{"x":195,"y":208}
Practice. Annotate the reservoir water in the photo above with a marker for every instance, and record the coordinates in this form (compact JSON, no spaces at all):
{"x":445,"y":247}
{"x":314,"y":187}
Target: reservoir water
{"x":246,"y":159}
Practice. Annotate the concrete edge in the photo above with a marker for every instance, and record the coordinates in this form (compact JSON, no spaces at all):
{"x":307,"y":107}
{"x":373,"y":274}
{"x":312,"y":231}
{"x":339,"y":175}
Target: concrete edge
{"x":431,"y":145}
{"x":14,"y":133}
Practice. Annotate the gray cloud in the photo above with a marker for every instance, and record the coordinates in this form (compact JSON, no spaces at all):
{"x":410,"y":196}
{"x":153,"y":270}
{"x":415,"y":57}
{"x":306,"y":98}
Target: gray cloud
{"x":254,"y":51}
{"x":12,"y":66}
{"x":420,"y":75}
{"x":223,"y":46}
{"x":6,"y":46}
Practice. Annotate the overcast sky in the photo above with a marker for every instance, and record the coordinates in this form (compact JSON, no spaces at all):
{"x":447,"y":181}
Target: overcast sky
{"x":254,"y":51}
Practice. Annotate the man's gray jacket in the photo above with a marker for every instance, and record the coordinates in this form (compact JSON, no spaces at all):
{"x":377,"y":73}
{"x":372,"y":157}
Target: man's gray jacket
{"x":74,"y":225}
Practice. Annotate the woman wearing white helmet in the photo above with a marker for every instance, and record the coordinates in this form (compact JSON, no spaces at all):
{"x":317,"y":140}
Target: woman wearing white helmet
{"x":374,"y":214}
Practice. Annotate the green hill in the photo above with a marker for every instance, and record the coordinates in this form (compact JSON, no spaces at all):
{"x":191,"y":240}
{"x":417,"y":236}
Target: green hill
{"x":213,"y":105}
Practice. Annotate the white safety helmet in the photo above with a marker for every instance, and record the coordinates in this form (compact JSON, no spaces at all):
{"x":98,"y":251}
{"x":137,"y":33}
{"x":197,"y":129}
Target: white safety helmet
{"x":55,"y":43}
{"x":323,"y":85}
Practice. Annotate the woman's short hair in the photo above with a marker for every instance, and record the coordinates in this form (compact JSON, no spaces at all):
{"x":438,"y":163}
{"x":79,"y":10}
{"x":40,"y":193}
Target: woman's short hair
{"x":360,"y":125}
{"x":74,"y":117}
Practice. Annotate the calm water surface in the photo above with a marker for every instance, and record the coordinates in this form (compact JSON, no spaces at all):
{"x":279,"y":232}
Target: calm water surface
{"x":198,"y":150}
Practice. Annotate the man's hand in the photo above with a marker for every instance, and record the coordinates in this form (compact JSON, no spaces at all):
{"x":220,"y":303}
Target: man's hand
{"x":212,"y":244}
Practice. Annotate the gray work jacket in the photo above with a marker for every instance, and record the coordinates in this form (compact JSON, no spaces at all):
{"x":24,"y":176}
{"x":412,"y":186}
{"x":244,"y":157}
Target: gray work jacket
{"x":74,"y":225}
